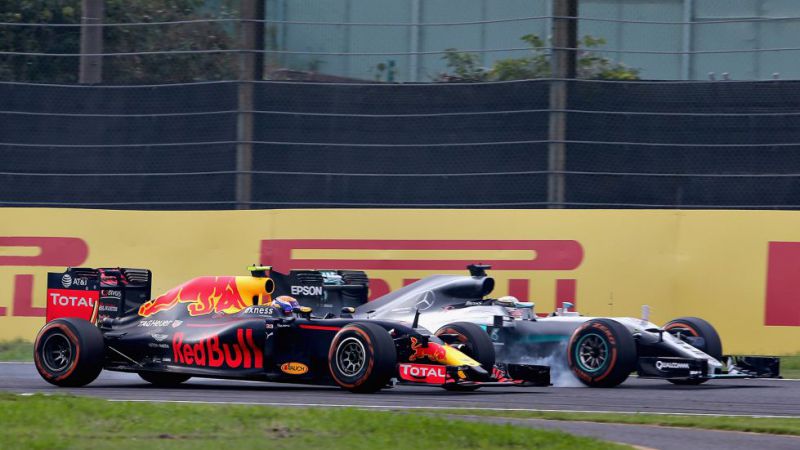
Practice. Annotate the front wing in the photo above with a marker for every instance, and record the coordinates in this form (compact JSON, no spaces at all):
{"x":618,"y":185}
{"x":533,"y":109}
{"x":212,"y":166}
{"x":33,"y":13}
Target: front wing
{"x":697,"y":369}
{"x":502,"y":375}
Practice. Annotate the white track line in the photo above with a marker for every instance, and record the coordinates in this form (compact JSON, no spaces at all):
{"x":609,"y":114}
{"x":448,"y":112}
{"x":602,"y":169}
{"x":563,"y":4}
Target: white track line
{"x":458,"y":408}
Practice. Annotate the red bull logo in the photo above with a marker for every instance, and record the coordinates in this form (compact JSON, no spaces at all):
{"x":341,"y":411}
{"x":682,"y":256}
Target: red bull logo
{"x":210,"y":352}
{"x":205,"y":295}
{"x":433,"y":351}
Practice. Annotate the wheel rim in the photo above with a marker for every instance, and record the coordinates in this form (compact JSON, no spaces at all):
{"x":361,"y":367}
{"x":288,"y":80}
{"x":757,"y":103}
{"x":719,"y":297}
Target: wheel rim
{"x":351,"y":356}
{"x":57,"y":352}
{"x":592,"y":352}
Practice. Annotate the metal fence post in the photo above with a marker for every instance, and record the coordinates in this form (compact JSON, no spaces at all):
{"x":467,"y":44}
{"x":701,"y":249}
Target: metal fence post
{"x":563,"y":66}
{"x":251,"y":67}
{"x":91,"y":64}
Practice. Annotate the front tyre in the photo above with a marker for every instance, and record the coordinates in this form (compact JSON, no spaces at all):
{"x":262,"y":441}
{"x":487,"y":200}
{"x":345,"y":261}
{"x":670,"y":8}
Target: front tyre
{"x":164,"y":379}
{"x":362,"y":357}
{"x":687,"y":328}
{"x":471,"y":340}
{"x":69,"y":352}
{"x":602,"y":353}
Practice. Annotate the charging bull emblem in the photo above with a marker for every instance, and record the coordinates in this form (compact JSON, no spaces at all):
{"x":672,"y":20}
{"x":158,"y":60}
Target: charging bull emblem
{"x":432,"y":351}
{"x":206,"y":295}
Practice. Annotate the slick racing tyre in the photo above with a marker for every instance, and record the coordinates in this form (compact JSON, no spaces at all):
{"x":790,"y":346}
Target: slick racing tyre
{"x":697,"y":327}
{"x":689,"y":327}
{"x":69,"y":352}
{"x":164,"y":379}
{"x":602,"y":353}
{"x":362,"y":357}
{"x":471,"y":340}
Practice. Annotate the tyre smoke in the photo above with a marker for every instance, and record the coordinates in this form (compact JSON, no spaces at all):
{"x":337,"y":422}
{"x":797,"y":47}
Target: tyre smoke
{"x":554,"y":356}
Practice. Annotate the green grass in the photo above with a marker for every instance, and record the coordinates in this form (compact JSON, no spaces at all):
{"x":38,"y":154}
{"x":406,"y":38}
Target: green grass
{"x":790,"y":366}
{"x":16,"y":350}
{"x":66,"y":422}
{"x":728,"y":423}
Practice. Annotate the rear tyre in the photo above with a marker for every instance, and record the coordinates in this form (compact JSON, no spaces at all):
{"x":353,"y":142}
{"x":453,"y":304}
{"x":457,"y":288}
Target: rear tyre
{"x":69,"y":352}
{"x":697,"y":327}
{"x":602,"y":353}
{"x":164,"y":379}
{"x":473,"y":341}
{"x":362,"y":357}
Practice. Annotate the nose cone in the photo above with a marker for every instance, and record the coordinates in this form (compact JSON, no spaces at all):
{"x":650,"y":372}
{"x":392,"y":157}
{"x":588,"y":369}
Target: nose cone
{"x":455,"y":357}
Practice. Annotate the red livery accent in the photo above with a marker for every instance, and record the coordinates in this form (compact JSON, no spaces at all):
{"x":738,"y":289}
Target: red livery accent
{"x":204,"y":295}
{"x":423,"y":373}
{"x":70,"y":303}
{"x":319,"y":327}
{"x":432,"y":351}
{"x":209,"y":352}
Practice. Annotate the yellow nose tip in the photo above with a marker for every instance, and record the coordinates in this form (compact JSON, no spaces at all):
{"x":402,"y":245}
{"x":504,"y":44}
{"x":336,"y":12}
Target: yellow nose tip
{"x":454,"y":357}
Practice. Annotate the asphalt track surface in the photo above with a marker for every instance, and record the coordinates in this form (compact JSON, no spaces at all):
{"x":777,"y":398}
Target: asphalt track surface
{"x":730,"y":397}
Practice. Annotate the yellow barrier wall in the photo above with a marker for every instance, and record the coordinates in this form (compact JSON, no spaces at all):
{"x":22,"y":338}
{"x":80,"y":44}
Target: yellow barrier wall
{"x":712,"y":264}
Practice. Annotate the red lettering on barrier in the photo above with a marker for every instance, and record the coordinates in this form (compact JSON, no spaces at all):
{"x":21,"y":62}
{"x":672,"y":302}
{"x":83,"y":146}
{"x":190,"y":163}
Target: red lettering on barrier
{"x":783,"y":285}
{"x":548,"y":255}
{"x":52,"y":252}
{"x":566,"y":291}
{"x":378,"y":288}
{"x":519,"y":289}
{"x":23,"y":297}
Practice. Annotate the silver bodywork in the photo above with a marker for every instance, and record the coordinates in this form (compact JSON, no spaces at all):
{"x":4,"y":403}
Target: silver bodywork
{"x":444,"y":299}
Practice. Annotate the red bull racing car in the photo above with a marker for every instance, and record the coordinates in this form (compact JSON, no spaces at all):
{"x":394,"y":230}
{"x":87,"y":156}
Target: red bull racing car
{"x":239,"y":327}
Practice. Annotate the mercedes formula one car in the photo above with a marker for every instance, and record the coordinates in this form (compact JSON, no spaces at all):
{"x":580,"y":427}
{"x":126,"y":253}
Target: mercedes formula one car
{"x":238,"y":327}
{"x":600,"y":351}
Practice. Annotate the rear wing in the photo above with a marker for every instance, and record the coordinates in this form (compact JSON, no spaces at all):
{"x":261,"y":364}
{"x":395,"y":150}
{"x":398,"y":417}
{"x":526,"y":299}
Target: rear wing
{"x":325,"y":291}
{"x":94,"y":294}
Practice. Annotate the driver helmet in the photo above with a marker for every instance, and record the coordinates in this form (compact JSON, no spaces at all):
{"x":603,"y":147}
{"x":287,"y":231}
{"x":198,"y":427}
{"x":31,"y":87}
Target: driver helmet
{"x":286,"y":304}
{"x":515,"y":308}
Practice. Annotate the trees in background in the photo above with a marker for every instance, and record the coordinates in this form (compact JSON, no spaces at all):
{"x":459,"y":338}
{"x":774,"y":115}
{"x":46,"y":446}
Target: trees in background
{"x":465,"y":66}
{"x":118,"y":69}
